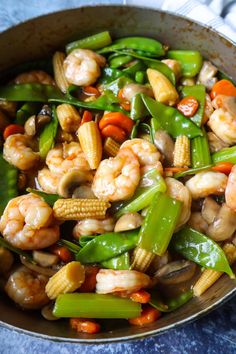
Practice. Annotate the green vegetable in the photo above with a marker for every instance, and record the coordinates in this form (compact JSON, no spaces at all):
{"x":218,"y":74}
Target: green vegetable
{"x":171,"y":304}
{"x":50,"y":199}
{"x":84,"y":239}
{"x":138,"y":109}
{"x":191,"y":61}
{"x":199,"y":92}
{"x":170,"y":119}
{"x":146,"y":128}
{"x":94,"y":42}
{"x":116,"y":85}
{"x":131,"y":70}
{"x":33,"y":92}
{"x":90,"y":305}
{"x":109,"y":74}
{"x":106,"y":246}
{"x":140,"y":77}
{"x":8,"y":183}
{"x":121,"y":262}
{"x":119,"y":61}
{"x":191,"y":171}
{"x":48,"y":135}
{"x":70,"y":245}
{"x":7,"y":245}
{"x":225,"y":155}
{"x":222,"y":76}
{"x":134,"y":131}
{"x":27,"y":110}
{"x":200,"y":151}
{"x":159,"y":223}
{"x":201,"y":249}
{"x":147,"y":45}
{"x":151,"y":183}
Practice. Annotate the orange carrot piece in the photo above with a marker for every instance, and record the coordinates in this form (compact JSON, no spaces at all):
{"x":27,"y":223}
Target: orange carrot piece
{"x":84,"y":325}
{"x":148,"y":315}
{"x":223,"y":87}
{"x":13,"y":129}
{"x":123,"y":102}
{"x":175,"y":169}
{"x":224,"y":167}
{"x":117,"y":118}
{"x":62,"y":252}
{"x":87,"y":117}
{"x":114,"y":132}
{"x":140,"y":296}
{"x":91,"y":91}
{"x":89,"y":283}
{"x":188,"y":106}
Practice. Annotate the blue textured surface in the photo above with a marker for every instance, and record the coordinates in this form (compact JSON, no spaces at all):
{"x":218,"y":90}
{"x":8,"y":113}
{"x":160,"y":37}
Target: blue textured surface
{"x":213,"y":334}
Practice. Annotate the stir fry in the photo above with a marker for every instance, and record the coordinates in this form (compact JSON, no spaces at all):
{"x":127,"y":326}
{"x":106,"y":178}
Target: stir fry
{"x":117,"y":181}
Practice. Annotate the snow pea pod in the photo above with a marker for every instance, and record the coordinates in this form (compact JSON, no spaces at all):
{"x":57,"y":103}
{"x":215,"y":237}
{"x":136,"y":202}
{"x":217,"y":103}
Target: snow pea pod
{"x":131,"y":70}
{"x":119,"y":61}
{"x":147,"y":45}
{"x":8,"y":183}
{"x":27,"y":110}
{"x":121,"y":262}
{"x":191,"y":61}
{"x":199,"y":92}
{"x":200,"y":249}
{"x":170,"y":304}
{"x":170,"y":119}
{"x":106,"y":246}
{"x":48,"y":135}
{"x":109,"y":74}
{"x":50,"y":199}
{"x":138,"y":109}
{"x":116,"y":85}
{"x":33,"y":92}
{"x":7,"y":245}
{"x":94,"y":42}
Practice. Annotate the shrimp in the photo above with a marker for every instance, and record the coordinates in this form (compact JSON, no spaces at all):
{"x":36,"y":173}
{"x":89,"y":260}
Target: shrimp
{"x":27,"y":288}
{"x":34,"y":76}
{"x":146,"y":153}
{"x":18,"y":152}
{"x":93,"y":226}
{"x":27,"y":223}
{"x":117,"y":177}
{"x":230,"y":192}
{"x":206,"y":183}
{"x":111,"y":281}
{"x":66,"y":157}
{"x":48,"y":180}
{"x":197,"y":222}
{"x":223,"y":124}
{"x":82,"y":67}
{"x":178,"y":191}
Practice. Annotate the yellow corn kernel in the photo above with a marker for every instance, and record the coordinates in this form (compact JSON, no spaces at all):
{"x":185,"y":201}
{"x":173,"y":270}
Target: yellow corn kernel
{"x":6,"y":260}
{"x":142,"y":259}
{"x":210,"y":276}
{"x":68,"y":117}
{"x":59,"y":75}
{"x":75,"y":209}
{"x":66,"y":280}
{"x":163,"y":89}
{"x":111,"y":147}
{"x":91,"y":143}
{"x":174,"y":65}
{"x":182,"y":151}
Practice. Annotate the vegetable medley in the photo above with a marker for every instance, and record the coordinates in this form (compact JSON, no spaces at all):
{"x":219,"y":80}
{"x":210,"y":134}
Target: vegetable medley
{"x":117,"y":181}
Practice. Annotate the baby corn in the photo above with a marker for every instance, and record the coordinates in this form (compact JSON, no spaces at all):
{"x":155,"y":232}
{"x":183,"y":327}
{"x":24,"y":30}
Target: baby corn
{"x":182,"y":151}
{"x":163,"y":89}
{"x":111,"y":147}
{"x":66,"y":280}
{"x":59,"y":75}
{"x":76,"y":209}
{"x":142,"y":259}
{"x":68,"y":117}
{"x":210,"y":276}
{"x":91,"y":143}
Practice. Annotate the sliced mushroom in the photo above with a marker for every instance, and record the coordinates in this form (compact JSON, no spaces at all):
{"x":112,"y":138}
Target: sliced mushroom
{"x":159,"y":261}
{"x":215,"y":143}
{"x":165,"y":145}
{"x":210,"y":209}
{"x":35,"y":268}
{"x":197,"y":222}
{"x":207,"y":75}
{"x":176,"y":272}
{"x":208,"y":109}
{"x":71,"y":180}
{"x":47,"y":313}
{"x":83,"y":192}
{"x":44,"y":116}
{"x":224,"y":225}
{"x":30,"y":126}
{"x":45,"y":259}
{"x":63,"y":136}
{"x":129,"y":221}
{"x":130,"y":90}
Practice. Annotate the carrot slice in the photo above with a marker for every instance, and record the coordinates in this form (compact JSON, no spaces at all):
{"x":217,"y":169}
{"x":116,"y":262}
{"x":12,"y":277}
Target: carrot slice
{"x":89,"y":283}
{"x":87,"y":117}
{"x":13,"y":129}
{"x":188,"y":106}
{"x":224,"y":167}
{"x":62,"y":252}
{"x":117,"y":118}
{"x":175,"y":169}
{"x":91,"y":91}
{"x":148,"y":315}
{"x":223,"y":87}
{"x":123,"y":102}
{"x":84,"y":325}
{"x":140,"y":296}
{"x":114,"y":132}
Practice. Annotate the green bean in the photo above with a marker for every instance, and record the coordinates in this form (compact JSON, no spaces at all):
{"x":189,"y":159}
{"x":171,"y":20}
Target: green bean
{"x":119,"y":61}
{"x":171,"y":304}
{"x":8,"y":183}
{"x":94,"y":42}
{"x":48,"y":135}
